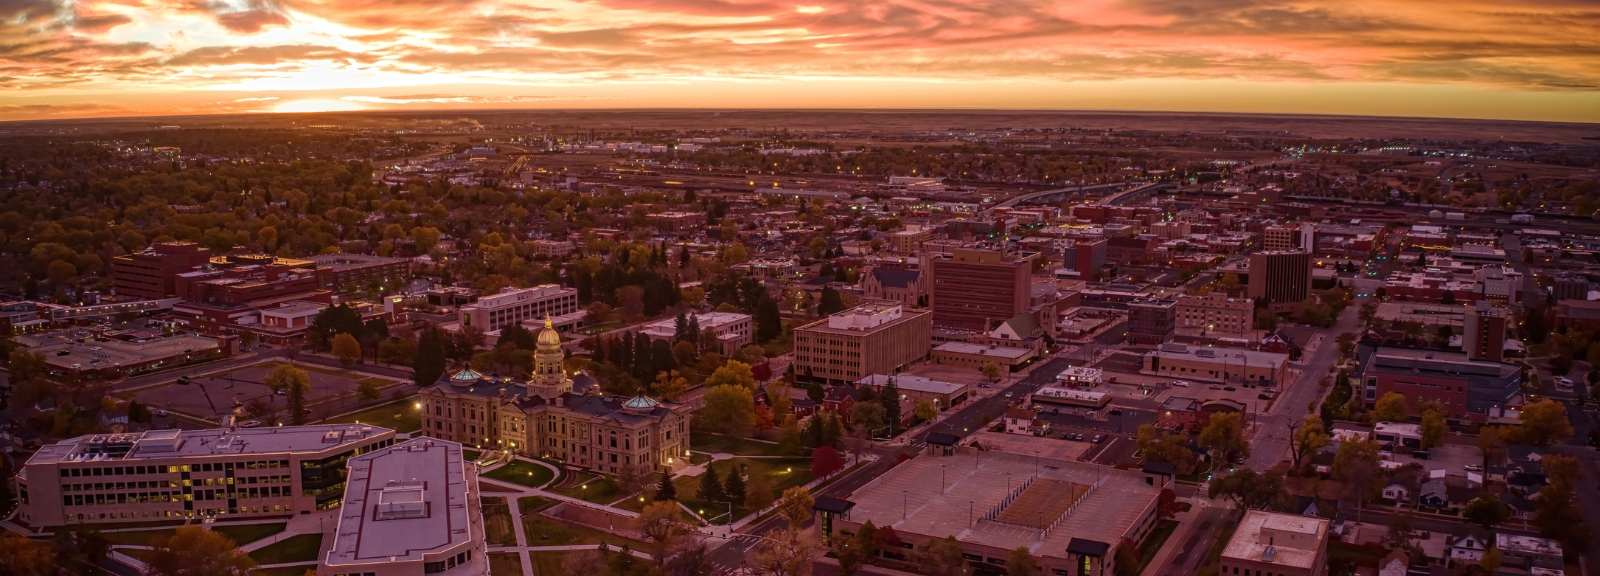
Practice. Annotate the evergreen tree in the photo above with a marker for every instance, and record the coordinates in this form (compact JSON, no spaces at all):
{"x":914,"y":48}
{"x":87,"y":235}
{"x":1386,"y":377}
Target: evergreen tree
{"x":517,"y":336}
{"x":831,"y":302}
{"x":814,"y":432}
{"x":832,"y":429}
{"x":599,"y":355}
{"x":769,"y":324}
{"x":733,"y":489}
{"x":693,"y":330}
{"x":623,"y":351}
{"x":890,"y":399}
{"x":680,"y":328}
{"x":642,"y":362}
{"x":661,"y":357}
{"x":710,"y":486}
{"x":683,"y":256}
{"x":429,"y":363}
{"x":665,"y":490}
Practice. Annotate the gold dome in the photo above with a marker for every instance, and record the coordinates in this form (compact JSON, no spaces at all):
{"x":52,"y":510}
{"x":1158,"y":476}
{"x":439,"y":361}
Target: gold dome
{"x":549,"y":336}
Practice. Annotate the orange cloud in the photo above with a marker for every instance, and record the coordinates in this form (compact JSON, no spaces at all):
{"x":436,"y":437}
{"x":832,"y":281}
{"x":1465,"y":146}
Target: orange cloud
{"x":107,"y":48}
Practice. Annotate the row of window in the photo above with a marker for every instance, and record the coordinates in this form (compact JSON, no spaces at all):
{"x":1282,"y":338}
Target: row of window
{"x":448,"y":563}
{"x":172,"y":469}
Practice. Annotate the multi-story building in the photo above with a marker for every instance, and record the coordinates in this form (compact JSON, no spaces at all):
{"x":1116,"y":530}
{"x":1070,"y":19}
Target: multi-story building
{"x":1300,"y":238}
{"x":552,"y":248}
{"x":1152,"y":320}
{"x":1570,"y":288}
{"x":359,"y":271}
{"x":869,"y":339}
{"x":731,"y":329}
{"x":1278,"y":544}
{"x":1226,"y":365}
{"x":973,"y":289}
{"x":909,"y":240}
{"x":150,"y":273}
{"x":1484,"y":332}
{"x":678,"y":221}
{"x":904,"y":286}
{"x":513,"y":305}
{"x":187,"y":474}
{"x":1466,"y":388}
{"x":542,"y":416}
{"x":1215,"y":313}
{"x":1281,"y":278}
{"x":410,"y":509}
{"x":124,"y":355}
{"x":1085,"y":256}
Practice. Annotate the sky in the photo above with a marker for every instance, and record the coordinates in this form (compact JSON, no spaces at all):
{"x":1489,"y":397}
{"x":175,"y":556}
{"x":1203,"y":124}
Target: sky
{"x":1499,"y":59}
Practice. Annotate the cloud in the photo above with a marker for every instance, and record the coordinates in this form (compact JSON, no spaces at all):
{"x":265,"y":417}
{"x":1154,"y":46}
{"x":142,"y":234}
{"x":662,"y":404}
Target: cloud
{"x":99,"y":24}
{"x":251,"y":21}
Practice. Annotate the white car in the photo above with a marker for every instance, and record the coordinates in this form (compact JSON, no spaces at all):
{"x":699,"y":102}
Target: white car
{"x":1473,"y":468}
{"x":250,"y":424}
{"x":1180,"y":383}
{"x":159,"y":412}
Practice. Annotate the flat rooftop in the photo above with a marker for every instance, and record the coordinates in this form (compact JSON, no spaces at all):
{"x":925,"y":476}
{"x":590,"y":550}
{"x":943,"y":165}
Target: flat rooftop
{"x":1289,"y":540}
{"x":161,"y":444}
{"x":348,"y":261}
{"x":92,"y":354}
{"x":1103,"y":513}
{"x":913,"y":383}
{"x":981,"y":349}
{"x":405,"y":501}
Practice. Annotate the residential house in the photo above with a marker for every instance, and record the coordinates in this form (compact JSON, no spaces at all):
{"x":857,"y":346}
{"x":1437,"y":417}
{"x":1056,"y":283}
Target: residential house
{"x":1021,"y":420}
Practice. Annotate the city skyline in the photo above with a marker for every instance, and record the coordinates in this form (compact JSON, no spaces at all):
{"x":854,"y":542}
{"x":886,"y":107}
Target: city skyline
{"x":133,"y":58}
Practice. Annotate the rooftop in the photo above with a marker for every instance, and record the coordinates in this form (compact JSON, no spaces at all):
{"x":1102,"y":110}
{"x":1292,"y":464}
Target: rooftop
{"x":1288,"y":540}
{"x":156,"y":444}
{"x":405,"y":501}
{"x":1247,"y":357}
{"x":346,"y":261}
{"x":913,"y":383}
{"x":1104,"y":513}
{"x":95,"y":354}
{"x":983,"y":349}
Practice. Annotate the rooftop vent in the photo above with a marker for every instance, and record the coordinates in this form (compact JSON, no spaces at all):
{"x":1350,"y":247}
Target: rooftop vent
{"x":1269,"y":554}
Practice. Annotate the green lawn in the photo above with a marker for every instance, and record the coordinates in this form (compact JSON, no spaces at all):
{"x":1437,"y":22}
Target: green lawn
{"x":524,"y":473}
{"x":717,"y":443}
{"x":782,"y":473}
{"x":505,"y":565}
{"x":246,"y":533}
{"x":139,"y":538}
{"x":531,"y":504}
{"x":697,"y":459}
{"x":546,"y":531}
{"x":302,"y":548}
{"x":547,"y":563}
{"x":1152,"y":543}
{"x":497,"y":522}
{"x":600,"y":490}
{"x":401,"y":416}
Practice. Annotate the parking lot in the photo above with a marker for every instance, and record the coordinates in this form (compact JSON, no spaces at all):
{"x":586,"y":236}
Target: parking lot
{"x":239,"y":387}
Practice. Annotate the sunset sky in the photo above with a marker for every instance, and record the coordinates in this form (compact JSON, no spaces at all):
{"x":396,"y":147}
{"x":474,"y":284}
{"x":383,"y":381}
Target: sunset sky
{"x":1463,"y":58}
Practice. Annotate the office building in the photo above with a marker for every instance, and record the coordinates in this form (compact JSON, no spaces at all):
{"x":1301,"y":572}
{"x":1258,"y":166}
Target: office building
{"x":361,"y":271}
{"x":513,"y":305}
{"x":150,"y":273}
{"x":410,"y":509}
{"x":1072,"y":515}
{"x":552,"y":248}
{"x":731,"y":330}
{"x":1152,"y":320}
{"x":1484,"y":333}
{"x":1465,"y":387}
{"x":550,"y":414}
{"x":869,"y":339}
{"x":1281,"y":278}
{"x":1570,"y":288}
{"x":973,"y":289}
{"x":1085,"y":256}
{"x":1279,"y":544}
{"x":1225,"y":365}
{"x":1215,"y":313}
{"x":915,"y":389}
{"x":910,"y":239}
{"x":678,"y":221}
{"x":188,"y":474}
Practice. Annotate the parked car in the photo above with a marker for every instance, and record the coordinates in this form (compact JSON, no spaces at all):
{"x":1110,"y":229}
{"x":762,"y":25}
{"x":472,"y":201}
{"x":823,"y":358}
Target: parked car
{"x":159,"y":412}
{"x":1008,"y":394}
{"x":1473,"y":468}
{"x":1066,"y":435}
{"x":1098,"y":438}
{"x":250,"y":424}
{"x":1078,"y":437}
{"x":1228,"y":389}
{"x":1180,"y":383}
{"x":1116,"y":412}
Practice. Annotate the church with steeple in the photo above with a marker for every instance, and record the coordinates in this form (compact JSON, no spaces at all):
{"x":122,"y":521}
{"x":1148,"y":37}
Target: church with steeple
{"x":550,"y":413}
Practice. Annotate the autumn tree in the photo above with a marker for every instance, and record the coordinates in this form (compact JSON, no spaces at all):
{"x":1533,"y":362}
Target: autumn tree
{"x":1487,"y":511}
{"x":1224,"y":436}
{"x":1021,"y":562}
{"x":1356,"y":464}
{"x":733,"y":373}
{"x":196,"y":551}
{"x":730,"y":409}
{"x":942,"y":557}
{"x":1391,"y":408}
{"x":346,"y":348}
{"x":853,"y":550}
{"x":1306,"y":438}
{"x":795,"y":506}
{"x":22,"y":556}
{"x":1542,"y":423}
{"x":660,"y":522}
{"x":1433,"y":426}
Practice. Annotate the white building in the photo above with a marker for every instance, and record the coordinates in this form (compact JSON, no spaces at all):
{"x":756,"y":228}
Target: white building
{"x":732,"y":330}
{"x":410,"y":509}
{"x":514,"y":305}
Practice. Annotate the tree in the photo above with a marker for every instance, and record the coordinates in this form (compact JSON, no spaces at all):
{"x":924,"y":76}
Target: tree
{"x":853,"y":550}
{"x":1356,"y":463}
{"x":1224,"y":436}
{"x":734,"y":373}
{"x":868,"y":415}
{"x":1159,"y":446}
{"x":890,"y":398}
{"x":659,"y":522}
{"x":1127,"y":561}
{"x":519,"y":337}
{"x":1491,"y":560}
{"x":1489,"y":442}
{"x":196,"y":551}
{"x":1391,"y":408}
{"x":825,"y":461}
{"x":1247,"y":489}
{"x":666,"y":490}
{"x":367,"y":390}
{"x":1306,"y":438}
{"x":769,"y":324}
{"x":1433,"y":426}
{"x":1487,"y":510}
{"x":286,"y":377}
{"x":942,"y":557}
{"x":788,"y":553}
{"x":246,"y":338}
{"x":730,"y":409}
{"x":1266,"y":320}
{"x":1558,"y":517}
{"x":758,"y":492}
{"x":925,"y":411}
{"x":991,"y":371}
{"x":22,"y":556}
{"x":795,"y":506}
{"x":1542,"y":423}
{"x":710,"y":486}
{"x":670,"y":385}
{"x":789,"y":441}
{"x":429,"y":363}
{"x":830,"y":302}
{"x":778,"y":399}
{"x":1022,"y":563}
{"x":733,"y":488}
